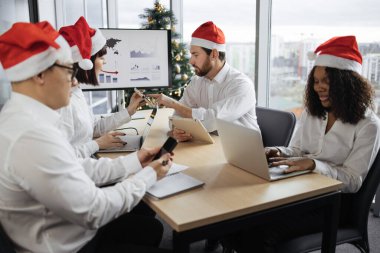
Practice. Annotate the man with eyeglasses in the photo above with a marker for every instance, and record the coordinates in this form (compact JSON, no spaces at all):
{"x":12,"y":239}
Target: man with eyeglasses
{"x":49,"y":200}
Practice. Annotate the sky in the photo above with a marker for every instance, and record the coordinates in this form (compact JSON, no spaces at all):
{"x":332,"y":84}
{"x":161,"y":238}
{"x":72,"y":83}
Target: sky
{"x":291,"y":19}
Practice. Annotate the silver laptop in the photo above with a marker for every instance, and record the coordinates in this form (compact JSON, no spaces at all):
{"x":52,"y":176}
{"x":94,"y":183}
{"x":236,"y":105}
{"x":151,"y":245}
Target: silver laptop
{"x":134,"y":142}
{"x":243,"y":148}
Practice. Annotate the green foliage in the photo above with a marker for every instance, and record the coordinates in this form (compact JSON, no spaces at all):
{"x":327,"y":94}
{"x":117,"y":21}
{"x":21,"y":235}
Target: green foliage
{"x":160,"y":17}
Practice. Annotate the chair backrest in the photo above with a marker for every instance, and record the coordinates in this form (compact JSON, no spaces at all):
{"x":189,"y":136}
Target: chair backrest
{"x":276,"y":126}
{"x":5,"y":243}
{"x":358,"y":217}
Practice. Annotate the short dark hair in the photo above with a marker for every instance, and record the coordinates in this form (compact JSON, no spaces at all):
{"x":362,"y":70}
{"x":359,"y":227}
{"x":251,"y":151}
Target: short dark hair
{"x":222,"y":55}
{"x":89,"y":76}
{"x":350,"y":95}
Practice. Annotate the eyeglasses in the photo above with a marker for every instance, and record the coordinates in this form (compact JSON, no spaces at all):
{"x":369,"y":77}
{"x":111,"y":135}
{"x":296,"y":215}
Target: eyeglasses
{"x":73,"y":69}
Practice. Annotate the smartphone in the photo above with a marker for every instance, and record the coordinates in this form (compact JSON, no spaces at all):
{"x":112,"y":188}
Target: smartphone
{"x":168,"y":147}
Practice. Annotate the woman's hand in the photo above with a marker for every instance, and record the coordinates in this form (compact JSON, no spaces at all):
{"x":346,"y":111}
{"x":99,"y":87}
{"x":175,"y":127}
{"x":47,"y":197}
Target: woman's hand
{"x":135,"y":102}
{"x":294,"y":163}
{"x":110,"y":140}
{"x":272,"y":152}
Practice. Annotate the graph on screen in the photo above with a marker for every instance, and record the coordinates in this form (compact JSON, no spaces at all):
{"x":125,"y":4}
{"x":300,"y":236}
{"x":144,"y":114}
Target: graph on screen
{"x":135,"y":58}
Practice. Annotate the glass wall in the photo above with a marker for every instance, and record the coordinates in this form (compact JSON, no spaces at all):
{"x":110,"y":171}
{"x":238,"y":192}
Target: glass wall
{"x":129,"y":11}
{"x":237,"y":21}
{"x":298,"y":30}
{"x":10,"y":12}
{"x":67,"y":12}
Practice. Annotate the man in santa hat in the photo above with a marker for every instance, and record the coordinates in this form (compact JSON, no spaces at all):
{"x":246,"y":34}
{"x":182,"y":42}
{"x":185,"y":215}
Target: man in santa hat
{"x":338,"y":135}
{"x":217,"y":90}
{"x":50,"y":201}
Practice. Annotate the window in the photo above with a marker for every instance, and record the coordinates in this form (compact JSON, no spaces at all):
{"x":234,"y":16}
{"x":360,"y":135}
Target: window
{"x":298,"y":30}
{"x":13,"y":11}
{"x":129,"y":11}
{"x":10,"y":12}
{"x":236,"y":20}
{"x":67,"y":13}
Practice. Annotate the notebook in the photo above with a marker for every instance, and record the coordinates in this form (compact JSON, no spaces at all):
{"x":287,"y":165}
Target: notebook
{"x":134,"y":142}
{"x":173,"y":184}
{"x":243,"y":148}
{"x":192,"y":126}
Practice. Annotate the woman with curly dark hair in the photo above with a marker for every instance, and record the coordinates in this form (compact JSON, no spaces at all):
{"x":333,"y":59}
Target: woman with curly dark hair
{"x":338,"y":135}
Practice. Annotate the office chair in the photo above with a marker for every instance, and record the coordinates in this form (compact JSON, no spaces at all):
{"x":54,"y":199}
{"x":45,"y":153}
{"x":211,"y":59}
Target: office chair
{"x":6,"y":245}
{"x":353,"y":218}
{"x":276,"y":126}
{"x":376,"y":205}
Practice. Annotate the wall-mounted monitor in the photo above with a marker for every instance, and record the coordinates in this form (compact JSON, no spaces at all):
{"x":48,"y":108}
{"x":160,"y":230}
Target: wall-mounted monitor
{"x":135,"y":58}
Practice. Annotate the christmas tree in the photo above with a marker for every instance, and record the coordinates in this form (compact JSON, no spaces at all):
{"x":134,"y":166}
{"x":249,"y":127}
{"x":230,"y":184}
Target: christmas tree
{"x":160,"y":17}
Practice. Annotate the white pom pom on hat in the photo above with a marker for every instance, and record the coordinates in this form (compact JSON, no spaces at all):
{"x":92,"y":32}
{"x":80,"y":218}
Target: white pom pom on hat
{"x":340,"y":52}
{"x":86,"y":64}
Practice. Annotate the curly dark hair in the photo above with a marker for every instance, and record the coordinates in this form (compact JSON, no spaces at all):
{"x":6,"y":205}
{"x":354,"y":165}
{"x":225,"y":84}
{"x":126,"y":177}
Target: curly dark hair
{"x":350,"y":95}
{"x":89,"y":76}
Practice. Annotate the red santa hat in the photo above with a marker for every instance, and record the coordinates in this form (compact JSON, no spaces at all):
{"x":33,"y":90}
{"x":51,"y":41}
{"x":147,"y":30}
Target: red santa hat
{"x":339,"y":52}
{"x":98,"y":40}
{"x":27,"y":49}
{"x":208,"y":35}
{"x":79,"y":39}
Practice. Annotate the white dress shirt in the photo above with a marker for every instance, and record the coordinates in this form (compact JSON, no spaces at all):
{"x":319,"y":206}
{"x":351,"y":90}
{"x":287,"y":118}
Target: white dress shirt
{"x":345,"y":152}
{"x":80,"y":125}
{"x":49,"y":201}
{"x":229,"y":96}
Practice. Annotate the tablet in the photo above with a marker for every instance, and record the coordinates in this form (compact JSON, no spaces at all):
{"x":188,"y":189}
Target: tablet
{"x":192,"y":126}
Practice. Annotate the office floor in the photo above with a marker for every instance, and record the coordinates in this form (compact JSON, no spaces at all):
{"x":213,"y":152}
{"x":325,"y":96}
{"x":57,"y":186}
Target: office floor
{"x":373,"y":233}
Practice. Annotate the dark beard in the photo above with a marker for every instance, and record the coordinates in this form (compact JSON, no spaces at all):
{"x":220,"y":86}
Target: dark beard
{"x":204,"y":70}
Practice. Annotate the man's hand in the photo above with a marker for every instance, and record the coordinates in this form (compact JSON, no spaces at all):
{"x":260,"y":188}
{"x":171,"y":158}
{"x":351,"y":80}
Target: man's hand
{"x":146,"y":155}
{"x":161,"y":166}
{"x":110,"y":140}
{"x":180,"y":135}
{"x":294,"y":163}
{"x":164,"y":100}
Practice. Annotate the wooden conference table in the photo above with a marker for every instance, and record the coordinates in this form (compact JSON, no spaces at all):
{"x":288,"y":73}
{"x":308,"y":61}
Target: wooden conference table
{"x":231,"y":198}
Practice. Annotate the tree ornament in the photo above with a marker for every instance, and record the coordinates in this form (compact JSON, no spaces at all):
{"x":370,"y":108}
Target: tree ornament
{"x":158,"y":17}
{"x":175,"y":44}
{"x":184,"y":77}
{"x":177,"y":68}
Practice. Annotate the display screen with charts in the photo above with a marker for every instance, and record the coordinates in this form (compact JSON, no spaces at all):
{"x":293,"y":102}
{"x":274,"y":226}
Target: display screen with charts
{"x":135,"y":58}
{"x":192,"y":126}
